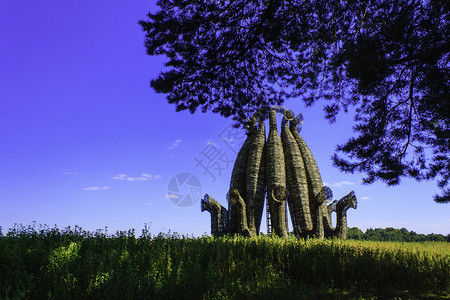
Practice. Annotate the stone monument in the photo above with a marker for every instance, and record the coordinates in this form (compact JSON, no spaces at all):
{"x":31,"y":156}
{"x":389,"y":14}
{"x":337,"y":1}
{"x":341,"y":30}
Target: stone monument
{"x":282,"y":170}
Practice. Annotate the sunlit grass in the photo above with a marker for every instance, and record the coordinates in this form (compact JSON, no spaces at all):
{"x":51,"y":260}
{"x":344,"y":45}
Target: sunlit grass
{"x":76,"y":264}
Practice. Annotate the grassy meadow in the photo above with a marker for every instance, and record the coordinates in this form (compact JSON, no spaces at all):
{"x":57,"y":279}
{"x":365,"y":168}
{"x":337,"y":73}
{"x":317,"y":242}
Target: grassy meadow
{"x":49,"y":263}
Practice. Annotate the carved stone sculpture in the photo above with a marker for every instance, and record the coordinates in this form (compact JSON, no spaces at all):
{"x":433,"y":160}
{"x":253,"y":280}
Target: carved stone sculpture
{"x":276,"y":178}
{"x":255,"y":181}
{"x":219,"y":215}
{"x":284,"y":167}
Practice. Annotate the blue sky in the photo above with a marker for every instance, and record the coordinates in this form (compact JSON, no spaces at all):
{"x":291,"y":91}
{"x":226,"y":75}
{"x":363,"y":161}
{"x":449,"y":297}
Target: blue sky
{"x":85,"y":141}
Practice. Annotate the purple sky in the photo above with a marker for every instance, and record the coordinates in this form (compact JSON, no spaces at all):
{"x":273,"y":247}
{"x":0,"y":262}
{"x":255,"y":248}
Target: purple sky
{"x":85,"y":141}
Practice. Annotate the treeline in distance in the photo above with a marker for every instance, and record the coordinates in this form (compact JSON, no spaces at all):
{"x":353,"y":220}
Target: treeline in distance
{"x":390,"y":234}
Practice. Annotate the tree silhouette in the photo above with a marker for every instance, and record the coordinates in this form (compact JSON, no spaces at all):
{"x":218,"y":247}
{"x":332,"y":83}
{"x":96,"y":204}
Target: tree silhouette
{"x":389,"y":59}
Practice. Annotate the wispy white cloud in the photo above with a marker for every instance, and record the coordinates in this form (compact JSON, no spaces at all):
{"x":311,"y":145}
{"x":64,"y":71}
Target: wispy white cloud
{"x":364,"y":198}
{"x":143,"y":177}
{"x":172,"y":196}
{"x":120,"y":177}
{"x":339,"y":183}
{"x":175,"y":144}
{"x":69,"y":172}
{"x":96,"y":188}
{"x":230,"y":140}
{"x":343,"y":183}
{"x":148,"y":204}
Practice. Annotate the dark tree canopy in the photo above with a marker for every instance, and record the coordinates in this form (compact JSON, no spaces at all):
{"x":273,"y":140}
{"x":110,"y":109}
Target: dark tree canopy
{"x":389,"y":59}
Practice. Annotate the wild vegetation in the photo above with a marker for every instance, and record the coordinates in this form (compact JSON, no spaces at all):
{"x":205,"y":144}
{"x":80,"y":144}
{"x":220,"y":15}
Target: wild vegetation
{"x":75,"y":264}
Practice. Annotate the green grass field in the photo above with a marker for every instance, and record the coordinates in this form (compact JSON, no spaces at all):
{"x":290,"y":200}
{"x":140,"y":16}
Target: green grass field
{"x":75,"y":264}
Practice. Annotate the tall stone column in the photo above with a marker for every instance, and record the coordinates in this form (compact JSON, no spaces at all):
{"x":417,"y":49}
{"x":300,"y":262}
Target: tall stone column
{"x":218,"y":215}
{"x":296,"y":180}
{"x":315,"y":185}
{"x":344,"y":204}
{"x":276,"y":178}
{"x":255,"y":181}
{"x":238,"y":204}
{"x":238,"y":178}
